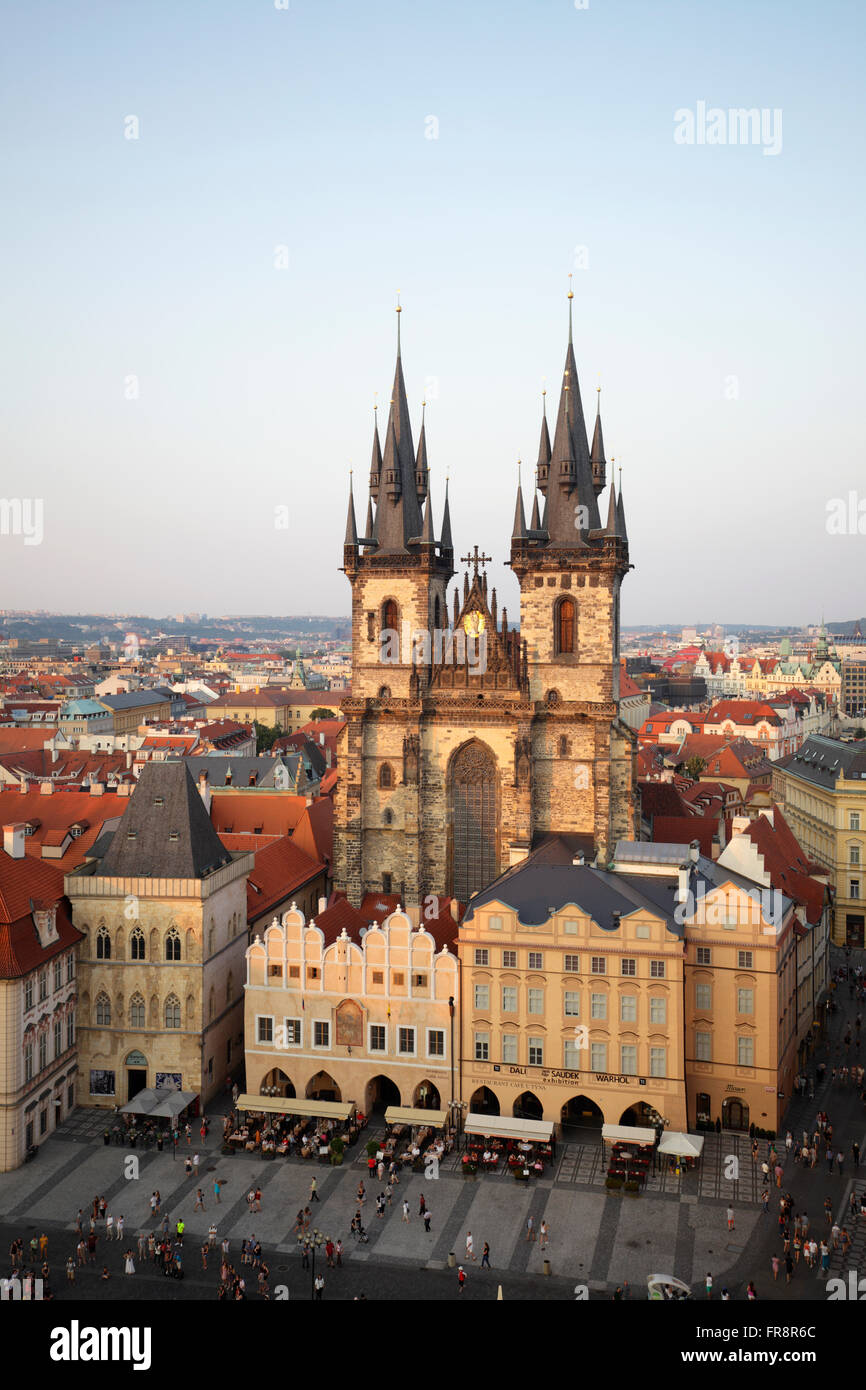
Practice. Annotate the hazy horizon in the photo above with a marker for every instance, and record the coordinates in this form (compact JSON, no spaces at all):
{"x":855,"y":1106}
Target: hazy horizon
{"x":198,"y":317}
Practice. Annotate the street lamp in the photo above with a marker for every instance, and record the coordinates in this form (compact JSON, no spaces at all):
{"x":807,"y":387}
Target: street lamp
{"x":313,"y":1242}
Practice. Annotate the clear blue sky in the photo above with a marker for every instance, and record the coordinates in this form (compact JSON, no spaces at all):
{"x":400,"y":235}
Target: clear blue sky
{"x":261,"y":127}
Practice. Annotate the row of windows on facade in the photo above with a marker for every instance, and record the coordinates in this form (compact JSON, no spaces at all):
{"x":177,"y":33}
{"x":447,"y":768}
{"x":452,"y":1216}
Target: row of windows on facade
{"x":597,"y":964}
{"x":171,"y":947}
{"x":571,"y":1054}
{"x":377,"y":1036}
{"x":137,"y":1013}
{"x":569,"y":963}
{"x":377,"y":977}
{"x":563,"y":622}
{"x":42,"y":1046}
{"x":43,"y":978}
{"x":571,"y":1003}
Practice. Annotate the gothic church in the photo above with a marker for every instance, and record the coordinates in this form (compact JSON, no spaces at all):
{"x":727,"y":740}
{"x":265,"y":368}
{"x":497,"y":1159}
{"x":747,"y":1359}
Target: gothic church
{"x":466,"y":742}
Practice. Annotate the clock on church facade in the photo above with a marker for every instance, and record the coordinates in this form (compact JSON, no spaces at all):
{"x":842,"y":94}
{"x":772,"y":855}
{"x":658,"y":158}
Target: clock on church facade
{"x":468,"y":740}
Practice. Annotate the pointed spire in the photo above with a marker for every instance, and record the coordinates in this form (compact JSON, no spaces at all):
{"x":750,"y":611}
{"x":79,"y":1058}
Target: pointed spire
{"x":428,"y":535}
{"x":493,"y":609}
{"x":519,"y":514}
{"x":370,"y":525}
{"x":399,"y":312}
{"x":398,"y":519}
{"x":351,"y":528}
{"x":570,"y":300}
{"x":376,"y":458}
{"x":596,"y":456}
{"x":611,"y":511}
{"x":421,"y":469}
{"x":456,"y":605}
{"x":620,"y":511}
{"x":446,"y":543}
{"x":571,"y":484}
{"x":535,"y":521}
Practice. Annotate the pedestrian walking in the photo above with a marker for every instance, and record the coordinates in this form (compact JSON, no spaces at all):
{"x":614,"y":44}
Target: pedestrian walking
{"x":789,"y":1141}
{"x":405,"y":1210}
{"x":470,"y":1248}
{"x":427,"y":1216}
{"x":840,"y":1159}
{"x":789,"y":1269}
{"x":212,"y":1235}
{"x":319,"y":1284}
{"x":216,"y":1190}
{"x":530,"y":1229}
{"x":774,"y":1265}
{"x":388,"y":1193}
{"x":329,"y":1252}
{"x":314,"y":1196}
{"x":142,"y":1246}
{"x":751,"y":1292}
{"x":709,"y":1285}
{"x":70,"y":1270}
{"x":421,"y":1205}
{"x":765,"y":1202}
{"x":778,"y":1172}
{"x":338,"y":1251}
{"x":257,"y":1197}
{"x":380,"y":1206}
{"x":187,"y":1167}
{"x":109,"y":1227}
{"x":199,"y":1200}
{"x":855,"y":1151}
{"x":461,"y":1279}
{"x":118,"y":1226}
{"x":730,"y":1218}
{"x":543,"y":1234}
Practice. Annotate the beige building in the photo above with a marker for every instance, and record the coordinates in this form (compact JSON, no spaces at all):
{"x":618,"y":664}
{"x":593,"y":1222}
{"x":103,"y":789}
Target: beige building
{"x":661,"y":988}
{"x":163,"y":912}
{"x":822,"y":791}
{"x":335,"y":1010}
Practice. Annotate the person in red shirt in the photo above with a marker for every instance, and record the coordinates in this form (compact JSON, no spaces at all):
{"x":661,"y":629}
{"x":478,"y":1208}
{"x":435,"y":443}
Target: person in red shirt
{"x":461,"y":1279}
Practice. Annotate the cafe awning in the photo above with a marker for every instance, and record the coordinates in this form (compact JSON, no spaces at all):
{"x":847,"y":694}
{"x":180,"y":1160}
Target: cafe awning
{"x":501,"y":1127}
{"x":400,"y":1115}
{"x":627,"y":1134}
{"x":308,"y":1109}
{"x":682,"y":1145}
{"x":159,"y":1103}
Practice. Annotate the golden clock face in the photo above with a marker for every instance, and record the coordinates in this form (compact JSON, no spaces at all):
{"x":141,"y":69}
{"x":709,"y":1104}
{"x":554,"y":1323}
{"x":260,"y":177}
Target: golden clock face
{"x":473,"y":623}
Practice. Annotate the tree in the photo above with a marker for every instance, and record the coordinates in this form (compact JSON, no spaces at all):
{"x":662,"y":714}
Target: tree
{"x":694,"y":767}
{"x":320,"y":713}
{"x":266,"y":737}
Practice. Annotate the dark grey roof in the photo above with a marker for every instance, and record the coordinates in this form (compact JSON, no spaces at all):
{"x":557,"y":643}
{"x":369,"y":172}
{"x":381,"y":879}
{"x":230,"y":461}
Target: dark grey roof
{"x":351,"y":528}
{"x":519,"y":516}
{"x":398,"y":512}
{"x":548,"y":880}
{"x":611,"y":510}
{"x":133,"y":699}
{"x":166,"y":831}
{"x":597,"y":452}
{"x":266,"y":769}
{"x":823,"y":760}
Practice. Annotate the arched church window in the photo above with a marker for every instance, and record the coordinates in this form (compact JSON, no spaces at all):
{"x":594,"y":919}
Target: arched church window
{"x":390,"y":615}
{"x":136,"y":944}
{"x":473,"y":778}
{"x":384,"y":692}
{"x":172,"y":944}
{"x":103,"y":944}
{"x":437,"y":613}
{"x":564,"y":626}
{"x":553,"y":698}
{"x":386,"y":776}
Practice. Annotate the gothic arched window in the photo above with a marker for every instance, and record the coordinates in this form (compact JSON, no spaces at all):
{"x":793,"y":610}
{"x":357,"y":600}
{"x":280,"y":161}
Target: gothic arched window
{"x":563,"y":622}
{"x":172,"y":944}
{"x":437,"y":613}
{"x":103,"y":944}
{"x":390,"y":615}
{"x":172,"y":1011}
{"x":136,"y":944}
{"x":386,"y":776}
{"x":472,"y":799}
{"x":103,"y":1010}
{"x":136,"y":1011}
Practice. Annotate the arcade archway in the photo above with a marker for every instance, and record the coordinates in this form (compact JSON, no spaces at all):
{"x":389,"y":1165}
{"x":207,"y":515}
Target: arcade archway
{"x":638,"y":1115}
{"x":380,"y":1092}
{"x":278,"y":1078}
{"x":323,"y":1087}
{"x":581,"y":1113}
{"x":484,"y":1102}
{"x":426,"y":1097}
{"x":527,"y":1107}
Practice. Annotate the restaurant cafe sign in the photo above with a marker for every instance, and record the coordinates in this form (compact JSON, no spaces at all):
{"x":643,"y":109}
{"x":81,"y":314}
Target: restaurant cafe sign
{"x":557,"y":1076}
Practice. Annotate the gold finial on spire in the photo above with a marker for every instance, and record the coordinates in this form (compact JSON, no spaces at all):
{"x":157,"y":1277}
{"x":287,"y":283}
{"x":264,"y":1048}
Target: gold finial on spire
{"x":399,"y":312}
{"x":570,"y":290}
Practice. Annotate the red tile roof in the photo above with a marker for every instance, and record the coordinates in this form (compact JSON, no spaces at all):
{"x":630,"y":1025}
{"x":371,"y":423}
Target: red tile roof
{"x":281,"y":869}
{"x":681,"y":830}
{"x":23,"y":882}
{"x":788,"y":867}
{"x":59,"y":812}
{"x":314,"y":831}
{"x":277,"y":813}
{"x":21,"y":740}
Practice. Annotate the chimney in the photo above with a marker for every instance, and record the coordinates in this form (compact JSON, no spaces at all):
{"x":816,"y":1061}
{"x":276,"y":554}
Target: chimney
{"x":739,"y":825}
{"x":55,"y":754}
{"x":97,"y":788}
{"x":579,"y":859}
{"x":683,"y":873}
{"x":694,"y":851}
{"x":616,"y":918}
{"x":46,"y":788}
{"x":24,"y":785}
{"x":322,"y":739}
{"x":129,"y":759}
{"x":323,"y":903}
{"x":13,"y":841}
{"x":204,"y":790}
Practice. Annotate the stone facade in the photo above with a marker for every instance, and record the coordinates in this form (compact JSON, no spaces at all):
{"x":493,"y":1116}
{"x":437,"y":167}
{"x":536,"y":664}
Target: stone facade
{"x":465,"y":742}
{"x":201,"y":1043}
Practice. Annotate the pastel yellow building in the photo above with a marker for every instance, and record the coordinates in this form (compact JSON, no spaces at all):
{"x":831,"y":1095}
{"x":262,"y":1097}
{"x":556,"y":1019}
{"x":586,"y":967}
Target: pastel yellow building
{"x":337,"y":1010}
{"x":822,"y":791}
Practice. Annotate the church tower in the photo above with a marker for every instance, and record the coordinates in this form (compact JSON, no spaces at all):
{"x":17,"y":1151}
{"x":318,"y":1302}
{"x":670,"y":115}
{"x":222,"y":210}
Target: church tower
{"x":570,"y":567}
{"x":466,"y":742}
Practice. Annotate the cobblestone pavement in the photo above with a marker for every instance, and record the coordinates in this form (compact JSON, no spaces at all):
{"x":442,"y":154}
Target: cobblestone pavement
{"x":596,"y":1238}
